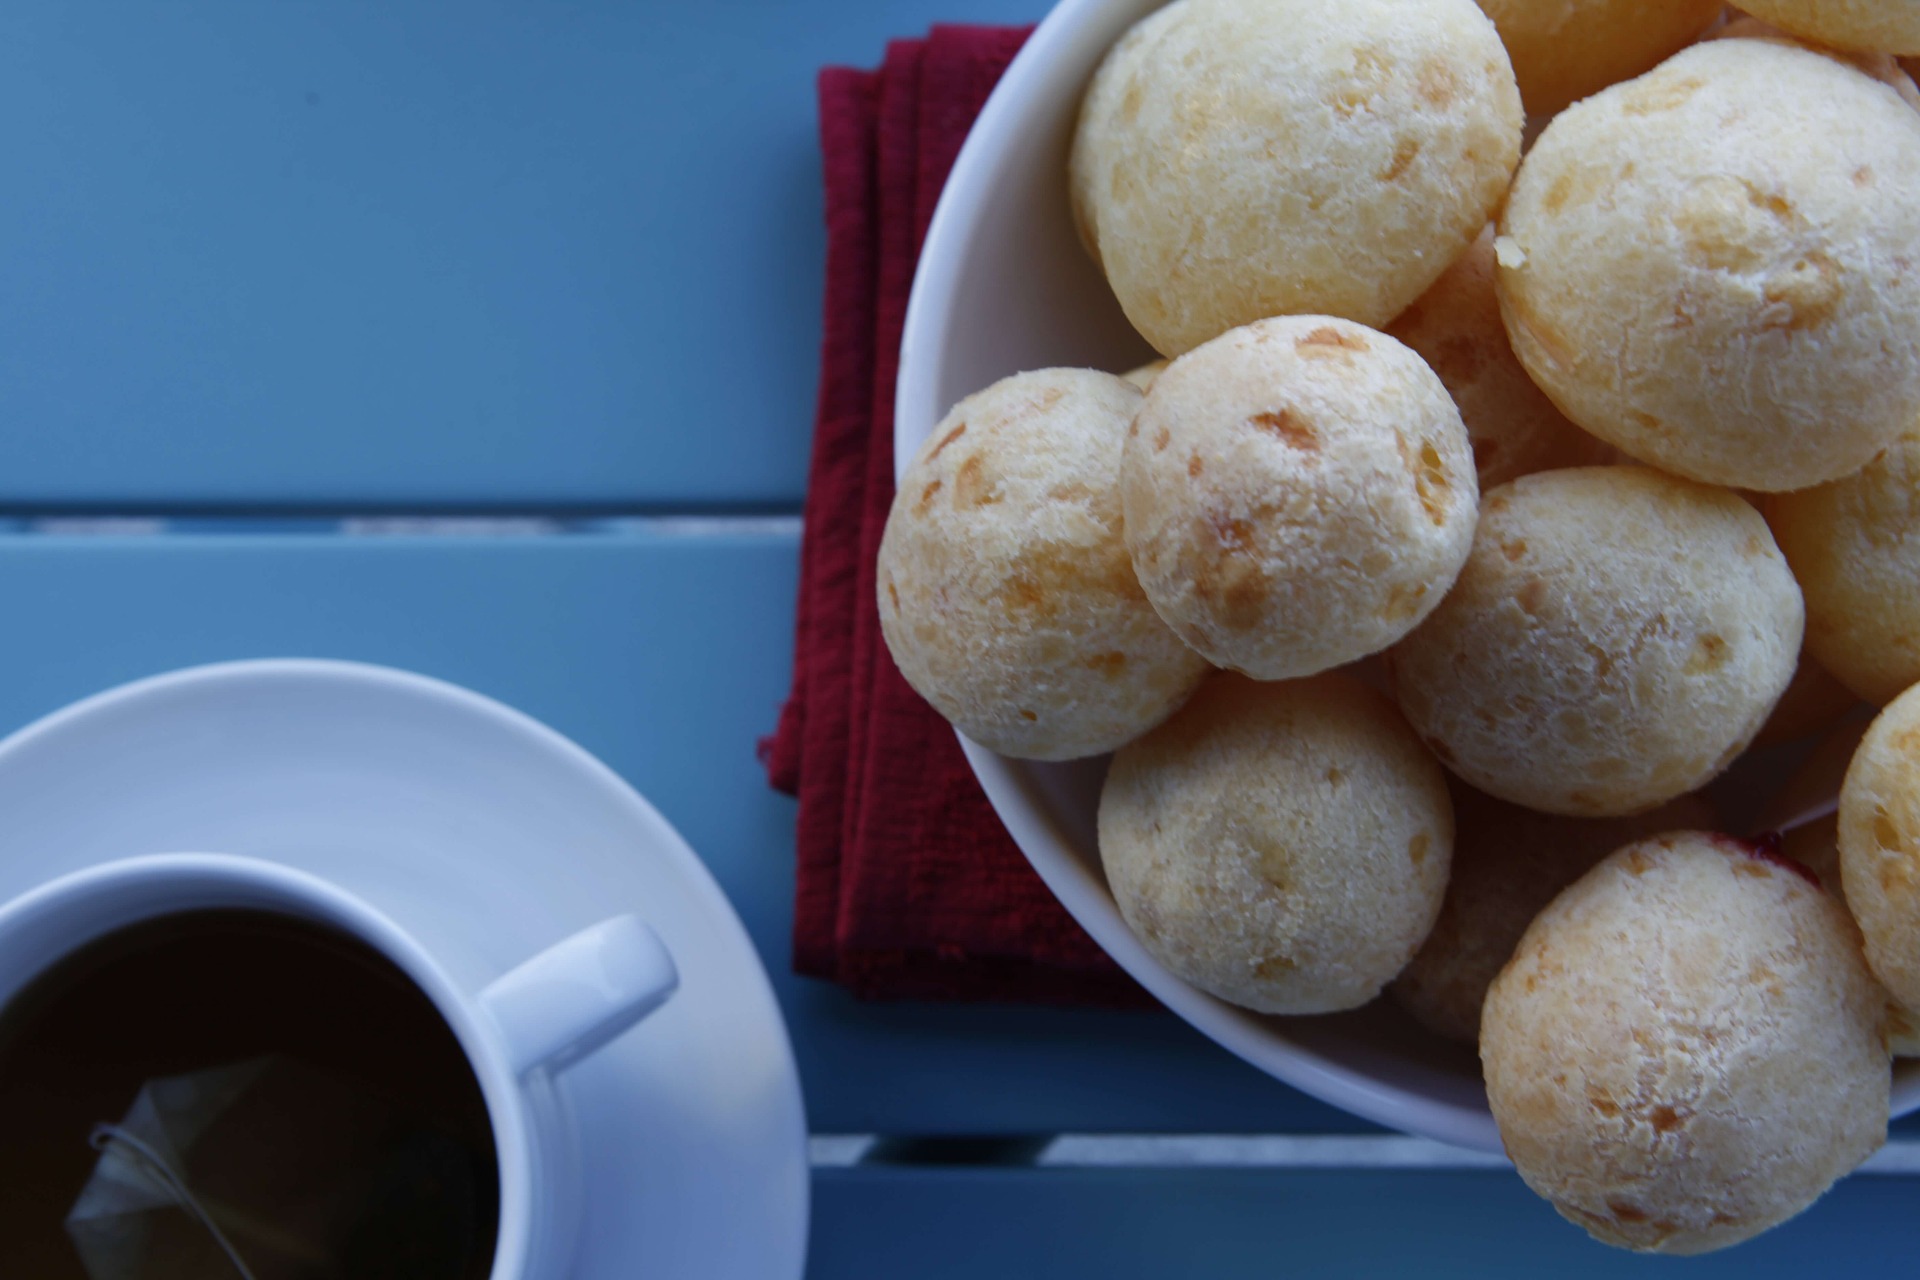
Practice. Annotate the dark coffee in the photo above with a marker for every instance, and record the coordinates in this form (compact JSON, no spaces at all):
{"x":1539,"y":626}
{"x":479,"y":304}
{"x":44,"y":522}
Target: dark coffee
{"x":410,"y":1173}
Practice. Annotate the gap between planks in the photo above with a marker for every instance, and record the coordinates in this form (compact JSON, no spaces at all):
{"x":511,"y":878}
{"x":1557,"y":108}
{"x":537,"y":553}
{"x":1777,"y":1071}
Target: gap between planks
{"x":1378,"y":1152}
{"x":405,"y":526}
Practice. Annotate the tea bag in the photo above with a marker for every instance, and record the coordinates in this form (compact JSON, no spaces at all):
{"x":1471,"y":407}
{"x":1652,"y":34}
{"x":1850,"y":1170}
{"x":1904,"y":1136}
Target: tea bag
{"x":272,"y":1170}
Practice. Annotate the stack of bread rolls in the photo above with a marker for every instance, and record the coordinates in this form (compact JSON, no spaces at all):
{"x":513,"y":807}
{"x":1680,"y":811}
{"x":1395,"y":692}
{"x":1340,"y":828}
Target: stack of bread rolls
{"x":1480,"y":511}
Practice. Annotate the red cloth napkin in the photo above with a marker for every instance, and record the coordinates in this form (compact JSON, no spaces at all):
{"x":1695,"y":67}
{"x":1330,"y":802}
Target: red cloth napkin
{"x":909,"y":887}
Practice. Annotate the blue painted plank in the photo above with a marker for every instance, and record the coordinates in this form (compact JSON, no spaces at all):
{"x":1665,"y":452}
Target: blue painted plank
{"x":965,"y":1224}
{"x":667,"y":657}
{"x":426,"y":252}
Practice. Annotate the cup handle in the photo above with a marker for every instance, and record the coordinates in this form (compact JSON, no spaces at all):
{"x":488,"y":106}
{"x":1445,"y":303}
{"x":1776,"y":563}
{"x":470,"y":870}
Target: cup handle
{"x":569,"y":1001}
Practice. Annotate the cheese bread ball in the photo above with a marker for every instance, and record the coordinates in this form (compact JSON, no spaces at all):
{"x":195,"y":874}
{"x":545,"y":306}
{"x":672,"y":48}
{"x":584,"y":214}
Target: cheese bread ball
{"x":1716,"y":267}
{"x":1854,"y":545}
{"x":1816,"y":845}
{"x":1563,"y":50}
{"x":1617,"y":637}
{"x":1803,"y":809}
{"x":1143,"y":376}
{"x":1813,"y":699}
{"x":1282,"y":846}
{"x":1515,"y":430}
{"x":1886,"y":26}
{"x":1508,"y":863}
{"x":1880,"y":845}
{"x":1006,"y":595}
{"x":1686,"y":1049}
{"x":1237,"y":159}
{"x":1299,"y":493}
{"x":1883,"y":67}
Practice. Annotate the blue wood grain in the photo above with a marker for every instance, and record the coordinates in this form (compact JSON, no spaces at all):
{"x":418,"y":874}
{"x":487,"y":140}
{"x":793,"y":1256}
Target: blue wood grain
{"x":667,"y":657}
{"x":339,"y":253}
{"x":875,"y":1223}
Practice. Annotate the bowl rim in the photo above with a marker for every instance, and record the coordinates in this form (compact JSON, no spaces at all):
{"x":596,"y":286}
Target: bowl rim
{"x":951,"y":230}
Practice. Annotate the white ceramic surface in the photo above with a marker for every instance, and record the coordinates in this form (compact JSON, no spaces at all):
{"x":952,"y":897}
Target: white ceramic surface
{"x":1004,"y":286}
{"x":556,"y":1009}
{"x":502,"y":867}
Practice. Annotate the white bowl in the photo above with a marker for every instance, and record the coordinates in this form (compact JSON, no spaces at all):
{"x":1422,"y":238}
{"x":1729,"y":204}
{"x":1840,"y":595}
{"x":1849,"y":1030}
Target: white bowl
{"x":1004,"y":286}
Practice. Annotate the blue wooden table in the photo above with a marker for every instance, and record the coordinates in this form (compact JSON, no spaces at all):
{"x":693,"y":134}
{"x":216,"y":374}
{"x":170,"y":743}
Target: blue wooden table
{"x":278,"y":279}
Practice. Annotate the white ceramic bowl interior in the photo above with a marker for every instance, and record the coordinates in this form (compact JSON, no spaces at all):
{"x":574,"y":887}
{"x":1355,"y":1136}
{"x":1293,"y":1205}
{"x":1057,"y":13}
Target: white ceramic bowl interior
{"x":1004,"y":286}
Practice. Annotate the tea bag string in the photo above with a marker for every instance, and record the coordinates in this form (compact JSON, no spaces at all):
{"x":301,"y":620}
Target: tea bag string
{"x":110,"y":1138}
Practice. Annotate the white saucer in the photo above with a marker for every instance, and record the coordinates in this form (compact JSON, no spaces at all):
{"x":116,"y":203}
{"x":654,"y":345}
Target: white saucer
{"x":419,"y":796}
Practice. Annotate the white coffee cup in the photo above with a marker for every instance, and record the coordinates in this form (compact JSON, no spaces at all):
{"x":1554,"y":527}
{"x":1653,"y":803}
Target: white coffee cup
{"x":557,"y":1008}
